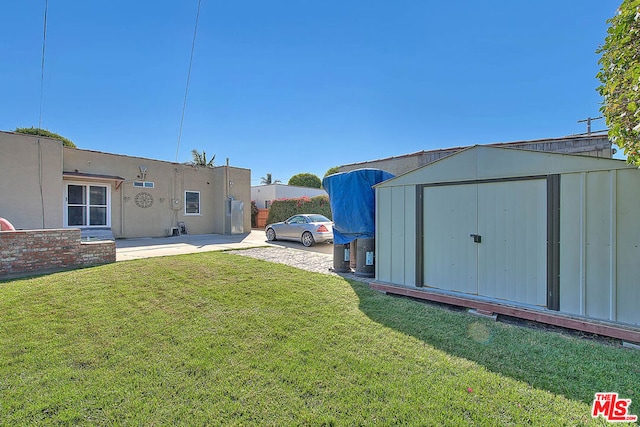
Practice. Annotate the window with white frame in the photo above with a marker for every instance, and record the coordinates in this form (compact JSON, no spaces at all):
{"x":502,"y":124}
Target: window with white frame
{"x":143,"y":184}
{"x":192,"y":203}
{"x":87,"y":205}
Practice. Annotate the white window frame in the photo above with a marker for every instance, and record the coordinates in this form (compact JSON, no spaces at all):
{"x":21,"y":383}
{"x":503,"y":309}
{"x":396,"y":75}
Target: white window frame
{"x":87,"y":186}
{"x":199,"y":203}
{"x":144,"y":184}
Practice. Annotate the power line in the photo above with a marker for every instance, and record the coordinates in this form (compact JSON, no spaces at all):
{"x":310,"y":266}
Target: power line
{"x":588,"y":120}
{"x":186,"y":91}
{"x":44,"y":45}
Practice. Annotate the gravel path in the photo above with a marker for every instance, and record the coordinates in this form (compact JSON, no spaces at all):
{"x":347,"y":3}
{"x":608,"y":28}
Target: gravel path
{"x":304,"y":260}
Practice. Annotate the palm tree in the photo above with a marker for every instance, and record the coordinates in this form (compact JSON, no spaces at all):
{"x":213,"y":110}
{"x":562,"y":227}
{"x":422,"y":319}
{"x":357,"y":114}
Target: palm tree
{"x":267,"y":180}
{"x":201,"y":159}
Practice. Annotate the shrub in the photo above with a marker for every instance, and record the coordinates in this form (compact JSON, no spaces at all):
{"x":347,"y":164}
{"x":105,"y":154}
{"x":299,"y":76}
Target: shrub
{"x":43,"y":132}
{"x":305,"y":180}
{"x":282,"y":209}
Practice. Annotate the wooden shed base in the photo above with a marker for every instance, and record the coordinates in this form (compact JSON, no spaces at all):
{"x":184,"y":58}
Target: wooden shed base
{"x":564,"y":321}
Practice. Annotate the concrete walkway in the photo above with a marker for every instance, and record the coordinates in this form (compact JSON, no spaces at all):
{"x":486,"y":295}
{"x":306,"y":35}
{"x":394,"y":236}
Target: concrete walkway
{"x":128,"y":249}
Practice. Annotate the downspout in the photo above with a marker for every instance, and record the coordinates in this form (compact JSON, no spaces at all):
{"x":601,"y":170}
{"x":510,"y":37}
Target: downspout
{"x":122,"y":210}
{"x":40,"y":181}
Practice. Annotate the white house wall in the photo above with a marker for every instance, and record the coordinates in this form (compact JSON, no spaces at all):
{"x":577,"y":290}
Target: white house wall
{"x":600,"y":242}
{"x":263,"y":195}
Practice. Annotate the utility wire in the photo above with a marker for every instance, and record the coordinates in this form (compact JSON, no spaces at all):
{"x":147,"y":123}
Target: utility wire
{"x":186,"y":91}
{"x":44,"y":45}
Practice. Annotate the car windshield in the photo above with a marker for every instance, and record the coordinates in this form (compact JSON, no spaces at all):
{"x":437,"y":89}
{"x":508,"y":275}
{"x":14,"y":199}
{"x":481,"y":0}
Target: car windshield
{"x":318,"y":218}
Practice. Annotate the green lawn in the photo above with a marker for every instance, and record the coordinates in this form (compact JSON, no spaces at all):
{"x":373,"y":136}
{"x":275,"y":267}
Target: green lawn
{"x":220,"y":339}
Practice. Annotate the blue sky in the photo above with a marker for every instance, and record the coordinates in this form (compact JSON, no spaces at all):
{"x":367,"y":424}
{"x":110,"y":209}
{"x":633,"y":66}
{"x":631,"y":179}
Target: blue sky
{"x":285,"y":87}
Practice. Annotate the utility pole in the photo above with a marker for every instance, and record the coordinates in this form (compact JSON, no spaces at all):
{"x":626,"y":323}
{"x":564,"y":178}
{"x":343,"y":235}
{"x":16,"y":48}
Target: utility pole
{"x":588,"y":120}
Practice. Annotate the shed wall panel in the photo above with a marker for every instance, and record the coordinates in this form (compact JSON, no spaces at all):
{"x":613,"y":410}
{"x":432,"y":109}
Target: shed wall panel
{"x":572,"y":243}
{"x":628,"y":250}
{"x":395,"y":243}
{"x":397,"y":235}
{"x":598,"y":221}
{"x":384,"y":209}
{"x":410,"y":258}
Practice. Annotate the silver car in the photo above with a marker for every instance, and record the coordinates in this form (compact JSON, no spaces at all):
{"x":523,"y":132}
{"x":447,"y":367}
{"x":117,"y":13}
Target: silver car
{"x":306,"y":228}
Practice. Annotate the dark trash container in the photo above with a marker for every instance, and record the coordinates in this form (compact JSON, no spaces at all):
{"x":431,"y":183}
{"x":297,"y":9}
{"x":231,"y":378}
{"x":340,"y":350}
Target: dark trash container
{"x":352,"y":255}
{"x":341,"y":257}
{"x":365,"y":265}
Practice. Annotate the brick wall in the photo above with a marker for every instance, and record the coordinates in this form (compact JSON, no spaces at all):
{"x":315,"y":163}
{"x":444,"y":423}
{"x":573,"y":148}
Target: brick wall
{"x":33,"y":251}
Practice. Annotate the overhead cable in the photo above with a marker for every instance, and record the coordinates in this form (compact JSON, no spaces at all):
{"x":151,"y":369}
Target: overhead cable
{"x":44,"y":45}
{"x":186,"y":91}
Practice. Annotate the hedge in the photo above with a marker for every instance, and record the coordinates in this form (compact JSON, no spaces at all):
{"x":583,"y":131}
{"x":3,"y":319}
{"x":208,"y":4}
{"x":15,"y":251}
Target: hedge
{"x":282,"y":209}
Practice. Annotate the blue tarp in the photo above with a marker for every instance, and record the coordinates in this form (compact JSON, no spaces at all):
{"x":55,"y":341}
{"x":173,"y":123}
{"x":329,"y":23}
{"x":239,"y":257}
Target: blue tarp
{"x":353,"y":205}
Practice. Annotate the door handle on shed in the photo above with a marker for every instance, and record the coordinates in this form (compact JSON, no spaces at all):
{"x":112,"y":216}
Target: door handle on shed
{"x":476,"y":238}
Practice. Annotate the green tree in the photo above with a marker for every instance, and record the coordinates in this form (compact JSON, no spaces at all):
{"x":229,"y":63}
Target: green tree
{"x":331,"y":171}
{"x":43,"y":132}
{"x":266,"y":180}
{"x":305,"y":180}
{"x":201,"y":159}
{"x":620,"y":77}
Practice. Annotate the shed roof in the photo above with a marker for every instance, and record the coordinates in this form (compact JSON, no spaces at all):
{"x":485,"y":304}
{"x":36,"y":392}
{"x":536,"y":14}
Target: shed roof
{"x":482,"y":162}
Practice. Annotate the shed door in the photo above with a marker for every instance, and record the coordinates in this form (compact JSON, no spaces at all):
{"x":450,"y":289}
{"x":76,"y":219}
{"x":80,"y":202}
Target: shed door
{"x":508,"y":260}
{"x":450,"y":260}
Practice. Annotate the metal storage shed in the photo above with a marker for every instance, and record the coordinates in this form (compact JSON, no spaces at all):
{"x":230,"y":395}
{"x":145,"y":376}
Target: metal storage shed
{"x":548,"y":237}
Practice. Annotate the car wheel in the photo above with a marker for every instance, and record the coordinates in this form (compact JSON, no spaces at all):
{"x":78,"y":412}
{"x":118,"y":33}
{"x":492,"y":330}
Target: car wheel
{"x":271,"y":235}
{"x":307,"y":239}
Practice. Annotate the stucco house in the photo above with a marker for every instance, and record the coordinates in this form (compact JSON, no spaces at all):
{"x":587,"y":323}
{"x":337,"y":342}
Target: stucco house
{"x":595,"y":144}
{"x":44,"y":185}
{"x":263,"y":195}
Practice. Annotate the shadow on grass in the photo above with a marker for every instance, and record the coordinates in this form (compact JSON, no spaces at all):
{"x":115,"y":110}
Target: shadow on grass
{"x":561,"y":363}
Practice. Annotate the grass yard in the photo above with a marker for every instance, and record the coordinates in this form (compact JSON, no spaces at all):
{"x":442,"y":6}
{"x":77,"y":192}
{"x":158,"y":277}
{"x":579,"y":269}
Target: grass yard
{"x":220,"y":339}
